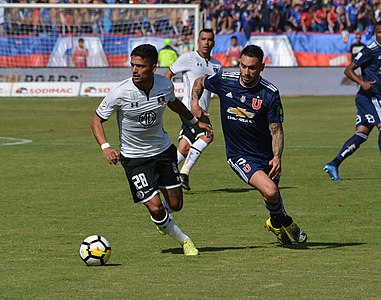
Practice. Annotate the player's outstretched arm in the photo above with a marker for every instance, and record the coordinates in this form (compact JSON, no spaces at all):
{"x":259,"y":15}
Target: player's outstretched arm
{"x":109,"y":153}
{"x":197,"y":90}
{"x":277,"y":145}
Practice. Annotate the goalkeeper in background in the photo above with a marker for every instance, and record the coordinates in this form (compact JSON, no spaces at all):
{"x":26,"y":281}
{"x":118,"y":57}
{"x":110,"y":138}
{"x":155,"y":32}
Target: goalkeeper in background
{"x":192,"y":141}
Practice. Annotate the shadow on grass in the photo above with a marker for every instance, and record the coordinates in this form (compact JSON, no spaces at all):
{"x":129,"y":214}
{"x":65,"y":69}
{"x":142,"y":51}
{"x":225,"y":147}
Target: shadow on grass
{"x":209,"y":249}
{"x":107,"y":265}
{"x":306,"y":246}
{"x":320,"y":245}
{"x":234,"y":190}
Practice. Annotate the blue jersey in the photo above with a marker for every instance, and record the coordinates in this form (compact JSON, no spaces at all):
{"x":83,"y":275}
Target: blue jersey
{"x":246,"y":114}
{"x":369,"y":60}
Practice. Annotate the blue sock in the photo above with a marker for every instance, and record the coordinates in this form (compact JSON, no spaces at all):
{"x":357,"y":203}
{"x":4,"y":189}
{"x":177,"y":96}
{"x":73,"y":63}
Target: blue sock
{"x":278,"y":214}
{"x":350,"y":146}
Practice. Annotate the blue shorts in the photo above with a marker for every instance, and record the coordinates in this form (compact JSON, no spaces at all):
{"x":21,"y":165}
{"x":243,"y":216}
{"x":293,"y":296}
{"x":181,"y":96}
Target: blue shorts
{"x":368,"y":109}
{"x":246,"y":166}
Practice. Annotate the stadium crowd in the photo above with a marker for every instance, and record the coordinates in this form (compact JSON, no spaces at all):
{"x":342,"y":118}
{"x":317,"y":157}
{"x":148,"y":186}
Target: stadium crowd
{"x":224,"y":16}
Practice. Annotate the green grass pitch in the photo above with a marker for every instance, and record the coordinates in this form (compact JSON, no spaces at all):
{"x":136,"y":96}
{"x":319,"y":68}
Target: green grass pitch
{"x":58,"y":189}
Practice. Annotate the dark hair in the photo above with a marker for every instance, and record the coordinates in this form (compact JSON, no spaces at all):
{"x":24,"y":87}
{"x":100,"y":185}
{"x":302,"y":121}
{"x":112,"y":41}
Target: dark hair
{"x":81,"y":40}
{"x":233,"y":37}
{"x":206,"y":30}
{"x":253,"y":51}
{"x":146,"y":51}
{"x":378,"y":23}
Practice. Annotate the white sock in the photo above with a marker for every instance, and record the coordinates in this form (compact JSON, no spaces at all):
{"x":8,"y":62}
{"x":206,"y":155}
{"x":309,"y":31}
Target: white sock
{"x":169,"y":226}
{"x":193,"y":155}
{"x":180,"y":157}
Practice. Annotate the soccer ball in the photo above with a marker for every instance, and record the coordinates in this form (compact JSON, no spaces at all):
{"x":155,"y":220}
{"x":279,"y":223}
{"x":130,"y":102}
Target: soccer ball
{"x":95,"y":250}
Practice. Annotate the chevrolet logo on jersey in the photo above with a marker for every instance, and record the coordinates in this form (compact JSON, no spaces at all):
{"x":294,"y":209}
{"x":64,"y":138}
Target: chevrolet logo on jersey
{"x":240,"y":112}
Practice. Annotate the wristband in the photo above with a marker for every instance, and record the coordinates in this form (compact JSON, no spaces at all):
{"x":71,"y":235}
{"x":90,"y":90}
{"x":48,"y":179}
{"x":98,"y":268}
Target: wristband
{"x":193,"y":121}
{"x":105,"y":145}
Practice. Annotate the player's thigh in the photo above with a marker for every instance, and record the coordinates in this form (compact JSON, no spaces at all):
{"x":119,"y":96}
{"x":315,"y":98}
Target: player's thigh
{"x":142,"y":178}
{"x":368,"y":110}
{"x":166,"y":168}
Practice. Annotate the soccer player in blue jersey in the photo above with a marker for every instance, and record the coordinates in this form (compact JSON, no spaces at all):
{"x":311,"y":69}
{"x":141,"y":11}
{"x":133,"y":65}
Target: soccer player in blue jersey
{"x":368,"y":101}
{"x":251,"y":116}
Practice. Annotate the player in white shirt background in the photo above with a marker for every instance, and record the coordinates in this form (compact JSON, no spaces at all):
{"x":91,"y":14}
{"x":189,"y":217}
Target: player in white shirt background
{"x":146,"y":153}
{"x":192,"y":141}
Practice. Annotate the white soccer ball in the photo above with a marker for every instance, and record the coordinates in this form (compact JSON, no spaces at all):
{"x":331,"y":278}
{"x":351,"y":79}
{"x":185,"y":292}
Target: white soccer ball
{"x":95,"y":250}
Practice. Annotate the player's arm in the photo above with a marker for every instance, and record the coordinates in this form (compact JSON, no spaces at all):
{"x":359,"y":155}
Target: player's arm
{"x":197,"y":90}
{"x":169,"y":74}
{"x":109,"y":153}
{"x":277,"y":145}
{"x":178,"y":107}
{"x":350,"y":73}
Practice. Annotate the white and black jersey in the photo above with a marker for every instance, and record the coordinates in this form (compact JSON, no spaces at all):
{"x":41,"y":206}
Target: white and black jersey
{"x":192,"y":66}
{"x":139,"y":116}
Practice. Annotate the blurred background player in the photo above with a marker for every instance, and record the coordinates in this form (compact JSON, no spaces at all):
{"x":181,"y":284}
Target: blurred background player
{"x":250,"y":107}
{"x":80,"y":54}
{"x":167,"y":55}
{"x":357,"y":46}
{"x":192,"y":141}
{"x":146,"y":153}
{"x":234,"y":52}
{"x":368,"y":101}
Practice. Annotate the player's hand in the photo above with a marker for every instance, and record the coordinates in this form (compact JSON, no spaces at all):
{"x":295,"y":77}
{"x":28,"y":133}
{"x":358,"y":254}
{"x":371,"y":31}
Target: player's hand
{"x":367,"y":85}
{"x":276,"y":168}
{"x":111,"y":155}
{"x":207,"y":127}
{"x":197,"y":110}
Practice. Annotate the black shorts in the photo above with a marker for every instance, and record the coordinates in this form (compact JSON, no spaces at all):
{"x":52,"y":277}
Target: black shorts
{"x":190,"y":133}
{"x":147,"y":176}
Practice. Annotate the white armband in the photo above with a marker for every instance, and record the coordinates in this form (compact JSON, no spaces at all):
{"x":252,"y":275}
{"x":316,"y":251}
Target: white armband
{"x":105,"y":145}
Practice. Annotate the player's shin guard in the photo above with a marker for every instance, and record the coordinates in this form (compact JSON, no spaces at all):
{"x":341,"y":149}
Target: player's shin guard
{"x":278,"y":214}
{"x":169,"y":226}
{"x":193,"y":155}
{"x":350,"y":146}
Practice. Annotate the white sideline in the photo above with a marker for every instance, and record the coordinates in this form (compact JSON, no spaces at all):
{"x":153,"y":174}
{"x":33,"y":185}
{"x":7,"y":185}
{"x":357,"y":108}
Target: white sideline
{"x":20,"y":141}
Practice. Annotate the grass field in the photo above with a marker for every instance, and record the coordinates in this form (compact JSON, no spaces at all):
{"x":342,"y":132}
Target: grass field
{"x":58,"y":189}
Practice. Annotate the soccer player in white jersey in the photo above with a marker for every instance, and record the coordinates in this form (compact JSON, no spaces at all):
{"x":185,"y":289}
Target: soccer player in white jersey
{"x":192,"y":140}
{"x":146,"y":153}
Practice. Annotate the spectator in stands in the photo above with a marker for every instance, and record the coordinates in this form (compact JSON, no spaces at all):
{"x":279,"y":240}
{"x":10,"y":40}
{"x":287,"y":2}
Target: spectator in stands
{"x":80,"y":54}
{"x":333,"y":24}
{"x":234,"y":52}
{"x":167,"y":55}
{"x":306,"y":20}
{"x":351,"y":14}
{"x":265,"y":13}
{"x":362,"y":18}
{"x":247,"y":20}
{"x":277,"y":20}
{"x":14,"y":19}
{"x":341,"y":18}
{"x":235,"y":13}
{"x":2,"y":18}
{"x":356,"y":46}
{"x":184,"y":44}
{"x":296,"y":17}
{"x":319,"y":19}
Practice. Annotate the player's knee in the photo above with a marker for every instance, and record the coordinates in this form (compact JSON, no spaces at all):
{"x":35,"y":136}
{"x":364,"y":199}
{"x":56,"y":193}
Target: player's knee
{"x":271,"y":195}
{"x":175,"y":201}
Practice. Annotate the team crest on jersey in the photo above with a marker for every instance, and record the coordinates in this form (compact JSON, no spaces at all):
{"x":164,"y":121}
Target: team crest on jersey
{"x":134,"y":95}
{"x":243,"y":98}
{"x":215,"y":69}
{"x":161,"y":100}
{"x":256,"y":103}
{"x":103,"y":105}
{"x":147,"y":118}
